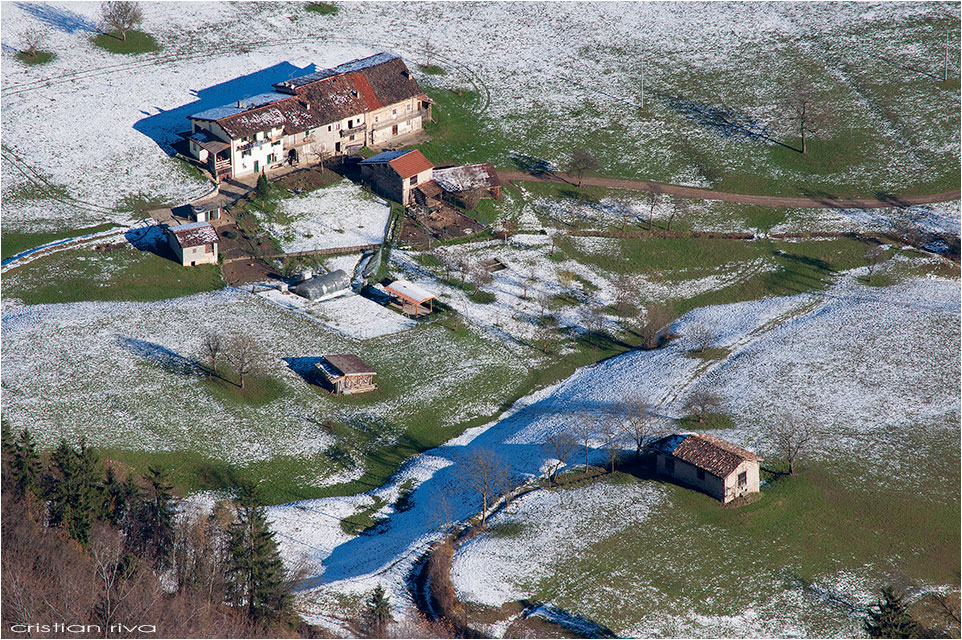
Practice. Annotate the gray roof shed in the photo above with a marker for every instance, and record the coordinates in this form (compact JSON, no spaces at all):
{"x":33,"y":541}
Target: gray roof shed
{"x":323,"y":285}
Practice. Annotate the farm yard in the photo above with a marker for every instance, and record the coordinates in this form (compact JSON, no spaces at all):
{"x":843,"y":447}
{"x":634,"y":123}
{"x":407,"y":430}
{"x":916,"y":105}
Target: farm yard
{"x":567,"y":295}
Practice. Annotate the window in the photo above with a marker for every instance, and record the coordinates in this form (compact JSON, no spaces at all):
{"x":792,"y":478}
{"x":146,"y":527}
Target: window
{"x":408,"y":107}
{"x":376,"y":118}
{"x":352,"y":137}
{"x":701,"y":474}
{"x":328,"y":127}
{"x":414,"y":180}
{"x":394,"y":113}
{"x":742,"y":478}
{"x":670,"y":465}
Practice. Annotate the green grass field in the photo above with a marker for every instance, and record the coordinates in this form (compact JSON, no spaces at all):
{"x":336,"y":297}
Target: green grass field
{"x":694,"y":564}
{"x":124,"y":274}
{"x":13,"y":242}
{"x":136,"y":42}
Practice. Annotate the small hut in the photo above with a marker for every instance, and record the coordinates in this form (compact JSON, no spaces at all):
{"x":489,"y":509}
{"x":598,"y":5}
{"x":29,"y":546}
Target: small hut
{"x":205,"y":212}
{"x":412,"y":297}
{"x":706,"y":462}
{"x":324,"y":286}
{"x":345,"y":374}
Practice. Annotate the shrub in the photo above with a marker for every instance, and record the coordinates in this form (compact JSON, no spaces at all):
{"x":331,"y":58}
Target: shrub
{"x":323,"y":8}
{"x":482,"y":297}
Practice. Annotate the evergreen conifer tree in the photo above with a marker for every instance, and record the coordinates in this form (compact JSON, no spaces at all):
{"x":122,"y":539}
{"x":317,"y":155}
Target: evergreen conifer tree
{"x":263,"y":187}
{"x":889,"y":618}
{"x":257,"y":577}
{"x":7,"y":441}
{"x":377,"y":614}
{"x":153,"y":529}
{"x":69,"y":489}
{"x":25,"y":464}
{"x":116,"y":497}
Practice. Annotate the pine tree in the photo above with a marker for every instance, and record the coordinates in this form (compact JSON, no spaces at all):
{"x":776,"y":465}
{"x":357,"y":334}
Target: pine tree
{"x":70,"y":489}
{"x":262,"y":188}
{"x":889,"y":618}
{"x":116,"y":498}
{"x":153,"y":526}
{"x":25,"y":464}
{"x":258,"y":579}
{"x":7,"y":441}
{"x":377,"y":614}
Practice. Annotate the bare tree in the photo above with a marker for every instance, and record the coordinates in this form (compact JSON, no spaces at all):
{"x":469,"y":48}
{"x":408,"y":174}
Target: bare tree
{"x":580,"y":162}
{"x":484,"y":472}
{"x":560,"y":445}
{"x":701,"y":336}
{"x":653,"y":325}
{"x":594,"y":323}
{"x":626,"y":292}
{"x":480,"y":276}
{"x":120,"y":15}
{"x":873,"y":256}
{"x":319,"y":155}
{"x":655,"y":198}
{"x":806,"y":108}
{"x":585,"y":423}
{"x":31,"y":40}
{"x":792,"y":436}
{"x":544,"y":303}
{"x":244,"y":355}
{"x":529,"y":279}
{"x":546,"y":339}
{"x":679,"y":206}
{"x":701,"y":403}
{"x":212,"y":348}
{"x":611,"y":435}
{"x":638,"y":422}
{"x":463,"y":267}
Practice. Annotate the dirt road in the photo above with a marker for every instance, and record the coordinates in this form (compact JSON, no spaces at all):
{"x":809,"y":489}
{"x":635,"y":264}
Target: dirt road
{"x":815,"y":200}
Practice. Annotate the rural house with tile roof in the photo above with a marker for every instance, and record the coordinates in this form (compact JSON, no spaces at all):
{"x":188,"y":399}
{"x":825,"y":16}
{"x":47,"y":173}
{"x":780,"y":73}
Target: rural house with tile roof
{"x":370,"y":102}
{"x":194,"y":243}
{"x":708,"y":463}
{"x":395,"y":174}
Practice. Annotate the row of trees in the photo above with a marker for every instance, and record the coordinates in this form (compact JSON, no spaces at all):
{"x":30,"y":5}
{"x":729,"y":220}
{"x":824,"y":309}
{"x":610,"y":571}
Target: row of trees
{"x":121,"y":549}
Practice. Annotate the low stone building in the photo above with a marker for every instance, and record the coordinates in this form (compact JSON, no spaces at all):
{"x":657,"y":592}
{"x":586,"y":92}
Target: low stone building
{"x":467,"y":184}
{"x":194,"y":243}
{"x":324,"y":286}
{"x":345,"y":374}
{"x":706,"y":462}
{"x":395,"y":174}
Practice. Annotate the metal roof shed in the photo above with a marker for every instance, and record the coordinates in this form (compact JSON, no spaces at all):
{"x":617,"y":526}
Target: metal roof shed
{"x":412,"y":297}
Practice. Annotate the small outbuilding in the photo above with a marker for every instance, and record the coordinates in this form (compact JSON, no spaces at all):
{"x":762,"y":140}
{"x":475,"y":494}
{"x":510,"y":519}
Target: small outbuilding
{"x":467,"y":184}
{"x":194,"y":243}
{"x":345,"y":374}
{"x":205,"y":212}
{"x":411,"y":297}
{"x":706,"y":462}
{"x":324,"y":286}
{"x":394,"y":174}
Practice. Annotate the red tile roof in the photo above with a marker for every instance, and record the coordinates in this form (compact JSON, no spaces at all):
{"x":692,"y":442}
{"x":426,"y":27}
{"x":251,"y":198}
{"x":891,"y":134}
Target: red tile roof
{"x":410,"y":164}
{"x":708,"y":452}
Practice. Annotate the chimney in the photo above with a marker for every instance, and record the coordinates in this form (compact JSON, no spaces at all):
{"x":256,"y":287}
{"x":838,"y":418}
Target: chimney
{"x":240,"y":104}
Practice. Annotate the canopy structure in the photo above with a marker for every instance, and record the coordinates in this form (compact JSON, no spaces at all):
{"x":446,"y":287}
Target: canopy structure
{"x":412,"y":297}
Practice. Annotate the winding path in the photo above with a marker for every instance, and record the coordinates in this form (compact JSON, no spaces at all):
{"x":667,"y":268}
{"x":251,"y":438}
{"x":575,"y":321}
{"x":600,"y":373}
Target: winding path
{"x":822,"y":201}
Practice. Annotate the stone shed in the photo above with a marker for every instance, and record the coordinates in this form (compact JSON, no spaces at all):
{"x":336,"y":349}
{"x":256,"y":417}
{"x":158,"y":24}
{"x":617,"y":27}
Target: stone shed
{"x":706,"y":462}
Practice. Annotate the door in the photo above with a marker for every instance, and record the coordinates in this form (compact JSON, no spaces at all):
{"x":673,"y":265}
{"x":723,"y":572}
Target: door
{"x":394,"y":130}
{"x":257,"y":166}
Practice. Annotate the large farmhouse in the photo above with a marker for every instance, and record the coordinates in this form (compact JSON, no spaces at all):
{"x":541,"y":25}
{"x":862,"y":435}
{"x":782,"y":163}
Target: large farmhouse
{"x":370,"y":102}
{"x":709,"y":463}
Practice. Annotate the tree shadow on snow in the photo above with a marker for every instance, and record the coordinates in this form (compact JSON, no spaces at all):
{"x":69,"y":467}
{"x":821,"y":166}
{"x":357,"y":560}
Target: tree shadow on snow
{"x":164,"y":126}
{"x":152,"y":239}
{"x":58,"y":17}
{"x":160,"y":356}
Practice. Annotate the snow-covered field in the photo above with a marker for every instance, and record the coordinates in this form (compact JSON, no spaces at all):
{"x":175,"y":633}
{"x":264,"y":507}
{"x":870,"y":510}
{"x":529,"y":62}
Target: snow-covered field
{"x":861,"y":366}
{"x":126,"y":377}
{"x":100,"y":125}
{"x":340,"y":215}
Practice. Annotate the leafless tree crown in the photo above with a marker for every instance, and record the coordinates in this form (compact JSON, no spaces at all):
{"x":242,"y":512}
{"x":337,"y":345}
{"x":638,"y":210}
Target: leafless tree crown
{"x":120,"y":16}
